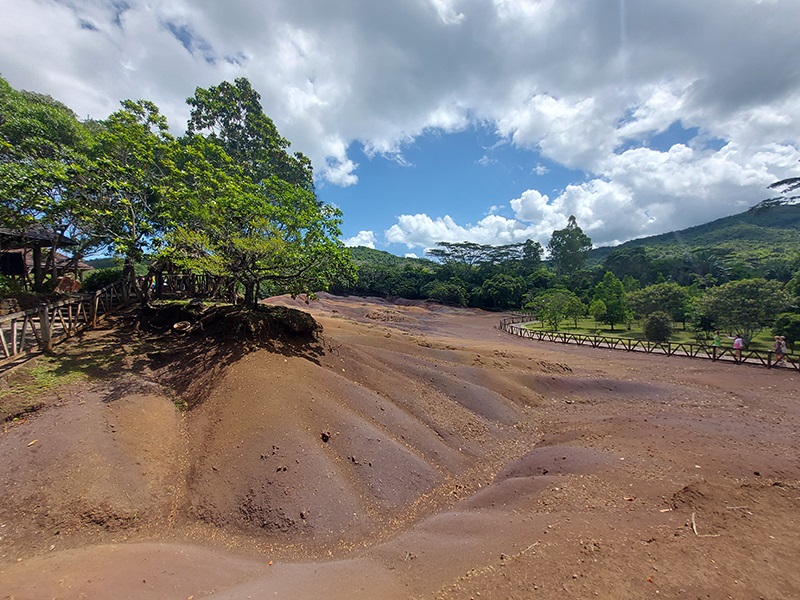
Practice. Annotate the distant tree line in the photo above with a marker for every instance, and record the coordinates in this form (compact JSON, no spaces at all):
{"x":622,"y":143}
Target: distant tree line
{"x":227,"y":199}
{"x":699,"y":290}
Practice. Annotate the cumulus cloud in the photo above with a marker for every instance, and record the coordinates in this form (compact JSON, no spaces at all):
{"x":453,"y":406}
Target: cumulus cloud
{"x":362,"y":238}
{"x":422,"y":231}
{"x":583,"y":84}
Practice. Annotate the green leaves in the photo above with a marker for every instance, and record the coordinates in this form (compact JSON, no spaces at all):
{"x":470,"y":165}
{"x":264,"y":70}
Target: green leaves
{"x":745,"y":306}
{"x":42,"y":149}
{"x":228,"y":199}
{"x":231,"y":115}
{"x":569,"y":248}
{"x":610,"y":293}
{"x":554,"y":305}
{"x":267,"y":234}
{"x":668,"y":297}
{"x":126,"y":199}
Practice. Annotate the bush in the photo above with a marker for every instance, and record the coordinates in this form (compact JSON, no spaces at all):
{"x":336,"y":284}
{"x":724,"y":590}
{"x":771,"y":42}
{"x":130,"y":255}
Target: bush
{"x":446,"y":292}
{"x":9,"y":287}
{"x":100,"y":278}
{"x":788,"y":325}
{"x":658,"y":327}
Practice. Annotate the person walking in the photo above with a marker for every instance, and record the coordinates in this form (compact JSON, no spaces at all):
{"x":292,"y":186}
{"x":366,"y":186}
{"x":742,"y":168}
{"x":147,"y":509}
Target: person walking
{"x":738,"y":344}
{"x":717,"y":341}
{"x":779,"y":349}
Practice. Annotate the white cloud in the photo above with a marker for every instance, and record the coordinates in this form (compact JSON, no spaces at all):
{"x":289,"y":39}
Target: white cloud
{"x":447,"y":12}
{"x":362,"y":238}
{"x":421,"y":231}
{"x":585,"y":84}
{"x":341,"y":172}
{"x":540,"y":169}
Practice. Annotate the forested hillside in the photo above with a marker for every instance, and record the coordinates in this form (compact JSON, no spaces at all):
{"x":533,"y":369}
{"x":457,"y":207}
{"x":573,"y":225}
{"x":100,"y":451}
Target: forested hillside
{"x":763,"y":232}
{"x":740,"y":273}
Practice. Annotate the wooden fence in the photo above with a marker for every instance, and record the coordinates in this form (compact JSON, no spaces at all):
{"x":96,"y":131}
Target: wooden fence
{"x":189,"y":284}
{"x":514,"y":325}
{"x":38,"y":329}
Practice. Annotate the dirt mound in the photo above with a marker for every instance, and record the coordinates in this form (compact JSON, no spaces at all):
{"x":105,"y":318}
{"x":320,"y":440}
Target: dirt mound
{"x":425,"y":456}
{"x":555,"y":460}
{"x":262,"y":323}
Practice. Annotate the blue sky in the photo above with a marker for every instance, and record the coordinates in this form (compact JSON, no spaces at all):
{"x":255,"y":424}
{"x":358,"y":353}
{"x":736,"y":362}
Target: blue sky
{"x":470,"y":174}
{"x":489,"y":121}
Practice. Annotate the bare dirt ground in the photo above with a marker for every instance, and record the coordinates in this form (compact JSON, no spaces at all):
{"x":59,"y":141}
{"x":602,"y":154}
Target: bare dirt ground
{"x":413,"y":452}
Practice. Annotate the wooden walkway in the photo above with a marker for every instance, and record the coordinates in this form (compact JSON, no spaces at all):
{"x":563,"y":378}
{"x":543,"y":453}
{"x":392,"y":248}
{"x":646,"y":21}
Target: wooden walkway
{"x":29,"y":332}
{"x":515,"y":325}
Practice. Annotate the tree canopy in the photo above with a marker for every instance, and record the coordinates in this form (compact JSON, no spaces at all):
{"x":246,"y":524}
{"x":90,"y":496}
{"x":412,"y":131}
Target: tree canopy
{"x":227,"y":199}
{"x":611,"y":294}
{"x":231,"y":114}
{"x":745,"y":306}
{"x":569,"y":247}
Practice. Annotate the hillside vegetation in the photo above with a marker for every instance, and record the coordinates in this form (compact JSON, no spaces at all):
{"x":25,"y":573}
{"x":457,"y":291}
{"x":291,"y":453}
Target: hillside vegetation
{"x":753,"y":237}
{"x":740,"y":274}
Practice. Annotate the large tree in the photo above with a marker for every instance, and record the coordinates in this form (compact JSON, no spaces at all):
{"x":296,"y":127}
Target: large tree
{"x":231,"y":114}
{"x":569,"y":248}
{"x":43,"y":160}
{"x":554,"y":305}
{"x":745,"y":306}
{"x":278,"y":239}
{"x":668,"y":297}
{"x":611,"y":293}
{"x":478,"y":263}
{"x":238,"y":216}
{"x":128,"y":197}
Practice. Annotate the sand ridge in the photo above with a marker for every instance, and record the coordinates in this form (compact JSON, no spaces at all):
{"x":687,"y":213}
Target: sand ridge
{"x":417,"y":452}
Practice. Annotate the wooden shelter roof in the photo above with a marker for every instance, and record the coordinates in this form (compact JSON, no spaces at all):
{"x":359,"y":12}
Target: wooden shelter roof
{"x":33,"y":236}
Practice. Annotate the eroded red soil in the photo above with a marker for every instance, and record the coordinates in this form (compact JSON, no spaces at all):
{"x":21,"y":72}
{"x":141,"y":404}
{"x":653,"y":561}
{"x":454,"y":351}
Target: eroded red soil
{"x":414,"y":452}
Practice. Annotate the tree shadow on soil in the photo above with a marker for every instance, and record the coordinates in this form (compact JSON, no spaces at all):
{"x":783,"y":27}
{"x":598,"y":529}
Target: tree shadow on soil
{"x":190,"y":346}
{"x":182,"y":347}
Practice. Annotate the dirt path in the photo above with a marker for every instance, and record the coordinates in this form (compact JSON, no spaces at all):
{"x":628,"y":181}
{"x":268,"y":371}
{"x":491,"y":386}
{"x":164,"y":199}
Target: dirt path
{"x":417,"y":453}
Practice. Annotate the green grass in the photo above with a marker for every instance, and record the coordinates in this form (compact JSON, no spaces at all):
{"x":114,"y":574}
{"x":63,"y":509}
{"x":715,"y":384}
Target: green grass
{"x":28,"y":383}
{"x":763,"y":341}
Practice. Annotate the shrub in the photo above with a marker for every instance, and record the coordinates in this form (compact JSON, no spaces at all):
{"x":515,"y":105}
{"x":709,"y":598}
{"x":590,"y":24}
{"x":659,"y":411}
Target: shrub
{"x":658,"y":327}
{"x":100,"y":278}
{"x":788,"y":325}
{"x":10,"y":286}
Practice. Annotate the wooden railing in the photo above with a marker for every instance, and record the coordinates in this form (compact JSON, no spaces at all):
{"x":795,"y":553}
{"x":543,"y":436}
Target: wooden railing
{"x":513,"y":325}
{"x":191,"y":284}
{"x":38,"y":329}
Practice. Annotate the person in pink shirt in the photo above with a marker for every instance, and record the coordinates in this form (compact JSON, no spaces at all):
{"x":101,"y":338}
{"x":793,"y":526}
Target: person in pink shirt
{"x":738,"y":344}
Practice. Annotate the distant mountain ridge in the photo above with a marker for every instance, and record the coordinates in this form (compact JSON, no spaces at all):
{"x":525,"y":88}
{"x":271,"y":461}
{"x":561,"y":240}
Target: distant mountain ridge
{"x":771,"y":227}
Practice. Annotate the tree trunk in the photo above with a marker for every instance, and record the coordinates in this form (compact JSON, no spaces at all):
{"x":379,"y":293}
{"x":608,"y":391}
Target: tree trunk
{"x":250,"y":293}
{"x":38,"y":274}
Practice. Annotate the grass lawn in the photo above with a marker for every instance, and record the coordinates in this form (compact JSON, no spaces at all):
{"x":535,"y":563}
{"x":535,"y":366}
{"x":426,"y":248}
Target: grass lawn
{"x":763,"y":341}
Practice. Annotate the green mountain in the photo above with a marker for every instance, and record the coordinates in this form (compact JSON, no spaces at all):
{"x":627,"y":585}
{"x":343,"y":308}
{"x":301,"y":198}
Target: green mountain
{"x":768,"y":231}
{"x":104,"y":263}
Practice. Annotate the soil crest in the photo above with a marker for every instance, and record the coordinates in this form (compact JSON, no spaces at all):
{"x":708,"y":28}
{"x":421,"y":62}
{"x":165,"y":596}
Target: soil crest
{"x":407,"y":451}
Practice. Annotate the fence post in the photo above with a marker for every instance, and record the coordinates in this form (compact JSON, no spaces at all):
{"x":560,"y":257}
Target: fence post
{"x":95,"y":307}
{"x":44,"y":328}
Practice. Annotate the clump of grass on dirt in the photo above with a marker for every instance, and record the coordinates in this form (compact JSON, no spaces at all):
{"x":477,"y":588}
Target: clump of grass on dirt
{"x":25,"y":386}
